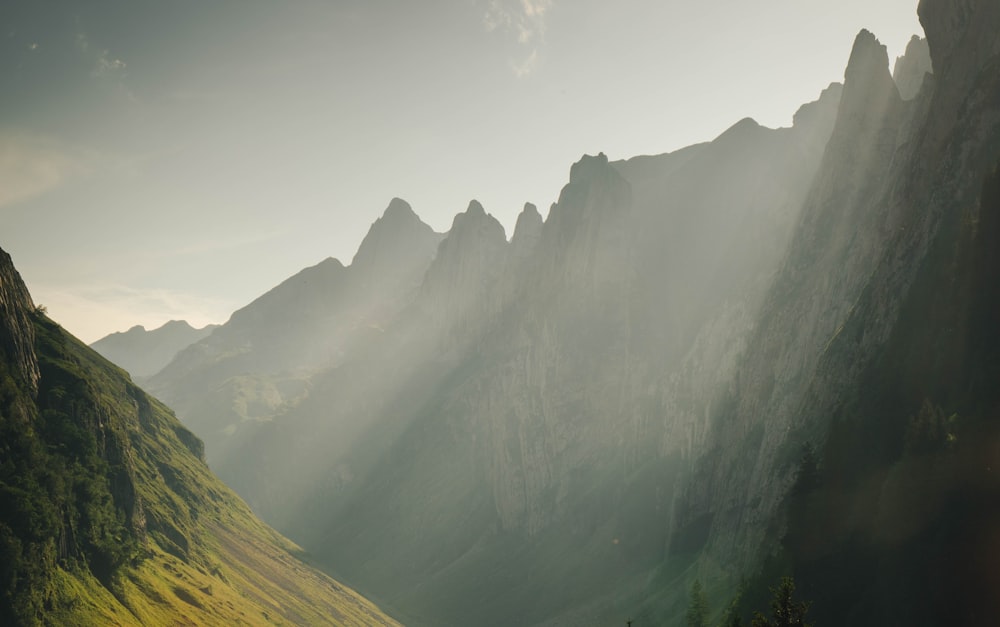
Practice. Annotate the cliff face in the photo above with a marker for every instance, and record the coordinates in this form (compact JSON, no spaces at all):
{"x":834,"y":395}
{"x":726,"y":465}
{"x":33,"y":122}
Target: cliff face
{"x":894,"y":174}
{"x":912,"y":67}
{"x":108,"y":514}
{"x":532,"y":408}
{"x":17,"y":335}
{"x":460,"y":292}
{"x":567,"y":425}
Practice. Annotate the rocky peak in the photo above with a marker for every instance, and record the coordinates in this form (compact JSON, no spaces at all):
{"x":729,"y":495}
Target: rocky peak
{"x":475,"y":223}
{"x":584,"y":235}
{"x":587,"y":168}
{"x":399,"y":209}
{"x":911,"y":68}
{"x":594,"y":187}
{"x":739,"y":130}
{"x":476,"y":240}
{"x":475,"y":209}
{"x":459,"y":285}
{"x":17,"y":335}
{"x":527,"y":231}
{"x":396,"y":241}
{"x":869,"y":92}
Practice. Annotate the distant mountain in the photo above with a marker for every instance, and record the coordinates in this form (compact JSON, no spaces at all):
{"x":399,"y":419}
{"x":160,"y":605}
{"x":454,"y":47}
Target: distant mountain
{"x":110,"y":516}
{"x":144,"y":353}
{"x":261,"y":359}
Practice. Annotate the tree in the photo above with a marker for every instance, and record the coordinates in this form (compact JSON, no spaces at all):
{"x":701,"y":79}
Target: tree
{"x":731,"y":617}
{"x":697,"y":613}
{"x":784,"y":611}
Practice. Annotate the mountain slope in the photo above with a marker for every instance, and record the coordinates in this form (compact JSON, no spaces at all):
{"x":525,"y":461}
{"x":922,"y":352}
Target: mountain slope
{"x":875,"y":349}
{"x":500,"y":451}
{"x":262,"y":357}
{"x":144,"y":353}
{"x":572,"y":426}
{"x":109,"y":515}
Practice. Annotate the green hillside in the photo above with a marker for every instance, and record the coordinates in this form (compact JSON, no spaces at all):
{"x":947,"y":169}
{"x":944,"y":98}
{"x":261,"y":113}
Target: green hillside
{"x":110,"y":516}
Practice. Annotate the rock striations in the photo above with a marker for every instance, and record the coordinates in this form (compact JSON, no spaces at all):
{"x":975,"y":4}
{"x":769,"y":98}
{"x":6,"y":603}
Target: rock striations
{"x":17,"y":334}
{"x":537,"y":398}
{"x":896,"y":179}
{"x":569,"y":426}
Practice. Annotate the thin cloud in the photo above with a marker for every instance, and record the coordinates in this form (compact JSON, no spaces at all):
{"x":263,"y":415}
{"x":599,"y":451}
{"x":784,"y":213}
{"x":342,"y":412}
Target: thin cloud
{"x":31,"y":165}
{"x":525,"y":21}
{"x":216,"y":244}
{"x":106,"y":65}
{"x":525,"y":66}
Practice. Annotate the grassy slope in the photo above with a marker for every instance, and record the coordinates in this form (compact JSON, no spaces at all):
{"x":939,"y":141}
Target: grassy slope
{"x":202,"y":558}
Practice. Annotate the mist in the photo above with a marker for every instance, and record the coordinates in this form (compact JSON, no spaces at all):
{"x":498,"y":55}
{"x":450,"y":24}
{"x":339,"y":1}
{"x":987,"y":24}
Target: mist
{"x":739,"y":357}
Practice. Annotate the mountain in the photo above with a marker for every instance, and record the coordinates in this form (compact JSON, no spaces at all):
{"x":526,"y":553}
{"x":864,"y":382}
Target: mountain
{"x":875,"y":351}
{"x":108,"y":512}
{"x":262,"y":357}
{"x":772,"y":353}
{"x":497,"y":451}
{"x":910,"y":69}
{"x":144,"y":353}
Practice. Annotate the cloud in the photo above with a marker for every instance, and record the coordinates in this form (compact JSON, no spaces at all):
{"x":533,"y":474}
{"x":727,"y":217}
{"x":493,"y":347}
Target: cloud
{"x":31,"y":165}
{"x":525,"y":21}
{"x":92,"y":311}
{"x":106,"y":65}
{"x":525,"y":66}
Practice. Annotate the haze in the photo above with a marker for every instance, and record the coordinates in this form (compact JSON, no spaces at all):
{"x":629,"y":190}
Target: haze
{"x":175,"y":160}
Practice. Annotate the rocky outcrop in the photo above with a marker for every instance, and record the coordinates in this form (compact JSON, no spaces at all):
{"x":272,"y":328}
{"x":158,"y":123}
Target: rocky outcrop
{"x":583,"y":390}
{"x":17,"y":335}
{"x":892,"y":172}
{"x":527,"y":233}
{"x":911,"y":68}
{"x":394,"y":255}
{"x":460,"y":292}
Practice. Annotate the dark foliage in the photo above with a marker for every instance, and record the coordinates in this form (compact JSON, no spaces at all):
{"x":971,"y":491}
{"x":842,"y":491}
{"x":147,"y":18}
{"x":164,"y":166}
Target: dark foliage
{"x":56,"y":474}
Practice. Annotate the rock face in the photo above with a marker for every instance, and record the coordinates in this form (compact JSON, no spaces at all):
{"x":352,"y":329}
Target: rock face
{"x":144,"y":353}
{"x":896,"y":179}
{"x":110,"y":516}
{"x":533,"y":406}
{"x":912,"y":67}
{"x":567,"y":427}
{"x":460,"y":289}
{"x":17,"y":335}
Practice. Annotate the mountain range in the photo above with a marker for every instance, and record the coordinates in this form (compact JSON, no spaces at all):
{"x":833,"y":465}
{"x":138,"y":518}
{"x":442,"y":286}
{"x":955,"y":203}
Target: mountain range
{"x":144,"y":353}
{"x":769,"y":354}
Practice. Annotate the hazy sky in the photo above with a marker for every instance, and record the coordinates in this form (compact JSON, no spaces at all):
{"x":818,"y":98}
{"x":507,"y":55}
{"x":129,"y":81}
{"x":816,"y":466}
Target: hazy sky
{"x":176,"y":159}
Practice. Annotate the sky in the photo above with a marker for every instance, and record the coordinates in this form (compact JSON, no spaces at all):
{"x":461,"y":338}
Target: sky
{"x":176,"y":159}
